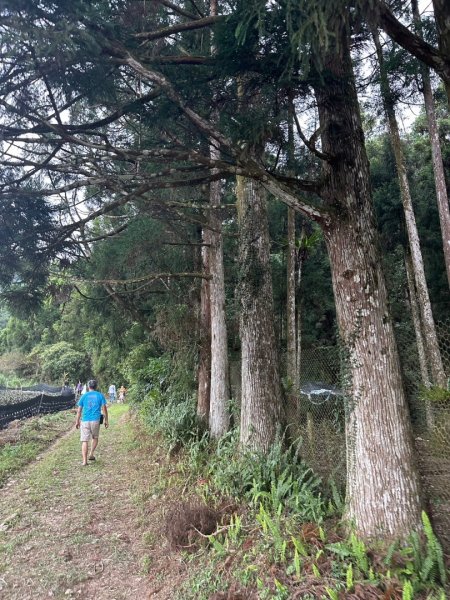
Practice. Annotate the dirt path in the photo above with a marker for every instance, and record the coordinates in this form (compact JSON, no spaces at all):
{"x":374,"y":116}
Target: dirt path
{"x":73,"y":532}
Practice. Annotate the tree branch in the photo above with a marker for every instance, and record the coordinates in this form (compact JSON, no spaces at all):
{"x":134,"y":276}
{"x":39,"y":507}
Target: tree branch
{"x":151,"y":277}
{"x":310,"y":144}
{"x":412,"y":42}
{"x":148,"y":36}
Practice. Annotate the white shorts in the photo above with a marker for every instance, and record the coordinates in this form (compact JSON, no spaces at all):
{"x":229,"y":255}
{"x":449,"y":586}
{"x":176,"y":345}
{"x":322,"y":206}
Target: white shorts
{"x":89,"y":430}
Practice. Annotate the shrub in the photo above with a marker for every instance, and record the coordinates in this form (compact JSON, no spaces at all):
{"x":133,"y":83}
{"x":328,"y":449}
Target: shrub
{"x":61,"y":360}
{"x":176,"y":419}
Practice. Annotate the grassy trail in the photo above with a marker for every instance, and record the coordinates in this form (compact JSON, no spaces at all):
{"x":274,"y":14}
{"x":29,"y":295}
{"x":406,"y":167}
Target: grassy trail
{"x":68,"y":531}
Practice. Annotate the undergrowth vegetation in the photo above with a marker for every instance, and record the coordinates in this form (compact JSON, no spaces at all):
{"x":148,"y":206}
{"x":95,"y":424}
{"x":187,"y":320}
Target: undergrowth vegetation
{"x":21,"y":442}
{"x":278,"y":530}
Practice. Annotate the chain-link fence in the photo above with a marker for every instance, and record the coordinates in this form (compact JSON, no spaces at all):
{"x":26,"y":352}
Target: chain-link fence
{"x":316,"y":417}
{"x":430,"y":414}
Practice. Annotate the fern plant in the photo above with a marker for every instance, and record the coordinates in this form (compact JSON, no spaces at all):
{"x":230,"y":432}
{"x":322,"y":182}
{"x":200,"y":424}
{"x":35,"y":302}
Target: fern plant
{"x":433,"y":566}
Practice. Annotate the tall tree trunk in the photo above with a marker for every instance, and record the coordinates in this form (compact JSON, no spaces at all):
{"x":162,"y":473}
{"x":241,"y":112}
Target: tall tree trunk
{"x":219,"y":416}
{"x":300,"y":260}
{"x":433,"y":352}
{"x":382,"y":483}
{"x":261,"y":398}
{"x":438,"y":164}
{"x":442,"y":18}
{"x":291,"y":324}
{"x":415,"y":312}
{"x":204,"y":361}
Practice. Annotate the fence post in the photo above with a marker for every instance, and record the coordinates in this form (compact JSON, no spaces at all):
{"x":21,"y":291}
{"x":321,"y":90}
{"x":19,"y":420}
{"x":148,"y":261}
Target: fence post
{"x":40,"y":403}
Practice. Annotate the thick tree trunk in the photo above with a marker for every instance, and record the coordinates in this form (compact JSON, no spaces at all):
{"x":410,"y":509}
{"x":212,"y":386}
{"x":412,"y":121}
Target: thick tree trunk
{"x":219,"y":415}
{"x":204,"y":361}
{"x":382,"y":484}
{"x":261,"y":398}
{"x":430,"y":336}
{"x":438,"y":164}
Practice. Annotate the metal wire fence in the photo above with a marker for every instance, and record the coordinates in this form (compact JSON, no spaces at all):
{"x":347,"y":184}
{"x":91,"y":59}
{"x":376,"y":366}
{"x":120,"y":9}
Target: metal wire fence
{"x":316,"y":417}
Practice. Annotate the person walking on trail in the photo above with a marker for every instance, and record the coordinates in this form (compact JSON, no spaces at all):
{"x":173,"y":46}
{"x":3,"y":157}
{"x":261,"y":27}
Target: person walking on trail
{"x":122,"y":394}
{"x":90,"y":407}
{"x":112,"y":393}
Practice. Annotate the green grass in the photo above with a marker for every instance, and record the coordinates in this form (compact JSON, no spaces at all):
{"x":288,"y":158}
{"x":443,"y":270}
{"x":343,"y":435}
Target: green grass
{"x":36,"y":435}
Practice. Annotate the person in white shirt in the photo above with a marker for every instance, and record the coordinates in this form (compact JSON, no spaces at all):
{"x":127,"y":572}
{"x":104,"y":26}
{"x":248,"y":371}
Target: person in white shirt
{"x":112,"y":393}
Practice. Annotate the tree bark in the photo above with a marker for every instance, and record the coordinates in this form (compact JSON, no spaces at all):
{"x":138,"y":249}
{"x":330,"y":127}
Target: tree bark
{"x":219,"y":416}
{"x":382,"y":484}
{"x":204,"y":361}
{"x":301,"y":257}
{"x":415,"y":312}
{"x":432,"y":345}
{"x":438,"y":164}
{"x":291,"y":325}
{"x":261,"y":398}
{"x":291,"y":288}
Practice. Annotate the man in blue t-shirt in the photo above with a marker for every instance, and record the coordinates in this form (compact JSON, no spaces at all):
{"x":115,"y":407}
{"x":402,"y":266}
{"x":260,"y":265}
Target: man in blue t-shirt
{"x":90,"y":406}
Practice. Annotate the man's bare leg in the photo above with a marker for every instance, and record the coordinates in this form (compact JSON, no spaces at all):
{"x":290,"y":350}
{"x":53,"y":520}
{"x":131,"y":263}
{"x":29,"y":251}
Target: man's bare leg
{"x":84,"y":452}
{"x":93,"y":447}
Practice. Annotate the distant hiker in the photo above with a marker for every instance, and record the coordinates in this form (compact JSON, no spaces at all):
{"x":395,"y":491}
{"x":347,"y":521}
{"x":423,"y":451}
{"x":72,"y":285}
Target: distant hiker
{"x":78,"y":389}
{"x":112,"y":393}
{"x":90,"y":406}
{"x":83,"y":389}
{"x":122,"y":394}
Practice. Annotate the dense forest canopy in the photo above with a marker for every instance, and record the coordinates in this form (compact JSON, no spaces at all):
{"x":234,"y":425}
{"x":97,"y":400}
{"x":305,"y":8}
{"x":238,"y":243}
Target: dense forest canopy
{"x":193,"y":185}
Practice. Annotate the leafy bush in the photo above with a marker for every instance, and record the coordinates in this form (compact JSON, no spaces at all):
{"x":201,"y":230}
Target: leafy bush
{"x":176,"y":419}
{"x":162,"y":389}
{"x":61,"y":360}
{"x":140,"y":367}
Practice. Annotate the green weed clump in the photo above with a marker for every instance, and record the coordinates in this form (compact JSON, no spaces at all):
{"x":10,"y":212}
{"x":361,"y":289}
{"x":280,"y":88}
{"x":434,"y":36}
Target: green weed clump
{"x":162,"y":393}
{"x":436,"y":395}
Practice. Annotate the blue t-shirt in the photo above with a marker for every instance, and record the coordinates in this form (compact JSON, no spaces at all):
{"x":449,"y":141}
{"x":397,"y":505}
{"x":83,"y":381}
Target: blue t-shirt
{"x":91,"y":403}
